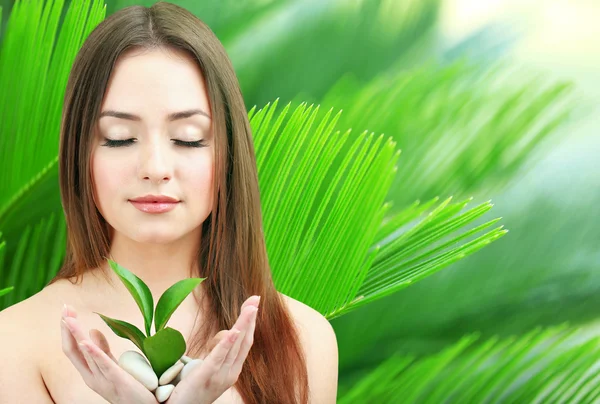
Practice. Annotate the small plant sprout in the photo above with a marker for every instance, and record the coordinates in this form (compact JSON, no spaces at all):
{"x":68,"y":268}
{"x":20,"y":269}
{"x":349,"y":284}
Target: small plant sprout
{"x":167,"y":345}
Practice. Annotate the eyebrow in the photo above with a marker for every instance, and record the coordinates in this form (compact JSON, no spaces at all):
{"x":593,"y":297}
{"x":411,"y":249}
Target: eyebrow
{"x":172,"y":116}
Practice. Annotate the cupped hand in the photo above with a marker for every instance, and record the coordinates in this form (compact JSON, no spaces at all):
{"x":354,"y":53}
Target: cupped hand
{"x":223,"y":365}
{"x":97,"y":365}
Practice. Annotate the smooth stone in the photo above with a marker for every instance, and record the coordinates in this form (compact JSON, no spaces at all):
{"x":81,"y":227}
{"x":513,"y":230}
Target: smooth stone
{"x":170,"y":374}
{"x":136,"y":365}
{"x":185,"y":359}
{"x":162,"y":393}
{"x":189,"y":367}
{"x":177,"y":379}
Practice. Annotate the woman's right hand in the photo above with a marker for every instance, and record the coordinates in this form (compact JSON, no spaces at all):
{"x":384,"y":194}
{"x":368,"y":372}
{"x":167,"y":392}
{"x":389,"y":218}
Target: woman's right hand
{"x":98,"y":367}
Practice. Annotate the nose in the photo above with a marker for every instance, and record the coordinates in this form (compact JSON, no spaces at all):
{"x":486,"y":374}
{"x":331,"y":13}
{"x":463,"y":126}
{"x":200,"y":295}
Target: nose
{"x":155,"y":161}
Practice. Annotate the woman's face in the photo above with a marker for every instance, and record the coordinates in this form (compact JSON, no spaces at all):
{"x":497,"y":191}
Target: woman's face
{"x":153,"y":160}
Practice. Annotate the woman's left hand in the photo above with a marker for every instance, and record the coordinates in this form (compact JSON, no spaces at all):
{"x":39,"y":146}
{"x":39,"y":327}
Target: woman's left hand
{"x":98,"y":367}
{"x":223,"y":365}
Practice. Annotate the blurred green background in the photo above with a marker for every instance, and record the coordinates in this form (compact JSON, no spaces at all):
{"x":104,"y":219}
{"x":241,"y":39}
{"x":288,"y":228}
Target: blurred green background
{"x":495,"y":100}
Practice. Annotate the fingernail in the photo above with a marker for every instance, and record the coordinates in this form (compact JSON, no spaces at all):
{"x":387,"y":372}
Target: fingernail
{"x":258,"y":301}
{"x":67,"y":325}
{"x":65,"y":311}
{"x":84,"y":347}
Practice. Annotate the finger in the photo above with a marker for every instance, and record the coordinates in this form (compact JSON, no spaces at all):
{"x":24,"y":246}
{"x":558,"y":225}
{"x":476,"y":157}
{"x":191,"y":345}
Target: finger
{"x":83,"y":346}
{"x":79,"y":336}
{"x":248,"y":319}
{"x":217,"y":355}
{"x":210,"y":345}
{"x":251,"y":301}
{"x":71,"y":350}
{"x":103,"y":362}
{"x":70,"y":311}
{"x":100,"y":340}
{"x":215,"y":340}
{"x":76,"y":329}
{"x":247,"y":342}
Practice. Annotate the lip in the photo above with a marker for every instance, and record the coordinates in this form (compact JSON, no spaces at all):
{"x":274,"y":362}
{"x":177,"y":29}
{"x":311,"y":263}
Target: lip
{"x":155,"y":198}
{"x":154,"y":207}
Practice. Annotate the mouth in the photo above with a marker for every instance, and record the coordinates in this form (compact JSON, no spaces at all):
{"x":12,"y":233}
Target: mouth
{"x":154,"y":207}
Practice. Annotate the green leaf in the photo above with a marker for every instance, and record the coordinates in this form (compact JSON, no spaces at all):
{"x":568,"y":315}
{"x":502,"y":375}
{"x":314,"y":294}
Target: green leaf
{"x":139,"y":290}
{"x":38,"y":46}
{"x":163,"y":349}
{"x":171,"y":299}
{"x":6,"y":290}
{"x":125,"y":330}
{"x":553,"y":365}
{"x":324,"y":206}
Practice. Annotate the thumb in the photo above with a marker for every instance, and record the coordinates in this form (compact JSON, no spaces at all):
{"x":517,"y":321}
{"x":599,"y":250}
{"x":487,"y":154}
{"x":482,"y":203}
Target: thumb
{"x":99,"y":339}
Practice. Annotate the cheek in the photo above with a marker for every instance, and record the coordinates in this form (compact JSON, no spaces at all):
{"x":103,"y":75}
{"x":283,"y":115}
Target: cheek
{"x":109,"y":179}
{"x":199,"y":177}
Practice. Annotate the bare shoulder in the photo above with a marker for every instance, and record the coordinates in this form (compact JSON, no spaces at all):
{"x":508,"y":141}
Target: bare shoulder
{"x":35,"y":308}
{"x":22,"y":332}
{"x":320,"y":345}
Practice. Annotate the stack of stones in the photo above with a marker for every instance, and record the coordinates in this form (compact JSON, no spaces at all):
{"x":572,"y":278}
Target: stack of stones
{"x":138,"y":366}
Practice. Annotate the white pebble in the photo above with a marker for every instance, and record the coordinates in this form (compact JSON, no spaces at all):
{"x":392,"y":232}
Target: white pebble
{"x":188,"y":367}
{"x":136,"y":365}
{"x":170,"y":374}
{"x":163,"y":392}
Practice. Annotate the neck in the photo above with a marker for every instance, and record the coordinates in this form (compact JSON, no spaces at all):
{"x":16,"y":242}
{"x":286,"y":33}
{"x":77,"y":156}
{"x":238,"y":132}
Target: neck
{"x":159,"y":266}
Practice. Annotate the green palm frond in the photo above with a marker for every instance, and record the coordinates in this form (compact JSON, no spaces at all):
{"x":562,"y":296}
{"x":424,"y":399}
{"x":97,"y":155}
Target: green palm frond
{"x":2,"y":242}
{"x":414,"y":253}
{"x":314,"y":42}
{"x":324,"y":208}
{"x":545,"y":365}
{"x":39,"y":254}
{"x":34,"y":68}
{"x":462,"y":127}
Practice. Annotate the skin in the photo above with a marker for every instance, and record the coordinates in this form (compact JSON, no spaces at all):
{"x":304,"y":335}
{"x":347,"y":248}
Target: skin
{"x":151,"y":85}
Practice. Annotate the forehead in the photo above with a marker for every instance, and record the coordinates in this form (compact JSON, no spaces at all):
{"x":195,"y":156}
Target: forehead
{"x":152,"y":83}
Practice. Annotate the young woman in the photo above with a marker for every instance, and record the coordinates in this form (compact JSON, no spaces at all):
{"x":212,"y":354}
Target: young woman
{"x":158,"y":173}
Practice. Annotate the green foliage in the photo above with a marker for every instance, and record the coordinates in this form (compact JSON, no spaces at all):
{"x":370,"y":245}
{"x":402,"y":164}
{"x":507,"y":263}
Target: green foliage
{"x":171,"y":299}
{"x":552,"y":365}
{"x":167,"y":345}
{"x":320,"y":204}
{"x":125,"y":330}
{"x":36,"y":54}
{"x":462,"y":127}
{"x":6,"y":290}
{"x":139,"y":290}
{"x":163,"y":349}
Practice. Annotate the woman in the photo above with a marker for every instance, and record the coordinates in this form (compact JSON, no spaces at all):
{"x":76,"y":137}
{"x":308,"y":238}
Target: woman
{"x":153,"y":112}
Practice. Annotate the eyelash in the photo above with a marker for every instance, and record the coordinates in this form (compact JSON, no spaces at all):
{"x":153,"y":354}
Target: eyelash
{"x":119,"y":143}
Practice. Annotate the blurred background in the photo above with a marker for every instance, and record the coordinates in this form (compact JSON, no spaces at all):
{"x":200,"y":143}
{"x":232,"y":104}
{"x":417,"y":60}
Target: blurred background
{"x":486,"y":99}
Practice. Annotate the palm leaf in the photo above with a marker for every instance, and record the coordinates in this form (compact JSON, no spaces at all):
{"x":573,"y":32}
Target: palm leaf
{"x":551,"y":365}
{"x":463,"y":127}
{"x":323,"y":212}
{"x":39,"y":254}
{"x":34,"y":67}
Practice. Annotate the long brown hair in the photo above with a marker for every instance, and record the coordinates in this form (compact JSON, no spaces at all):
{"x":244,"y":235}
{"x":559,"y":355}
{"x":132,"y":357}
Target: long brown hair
{"x":232,"y":254}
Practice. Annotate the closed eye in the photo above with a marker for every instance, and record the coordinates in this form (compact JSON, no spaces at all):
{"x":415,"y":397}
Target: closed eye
{"x":127,"y":142}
